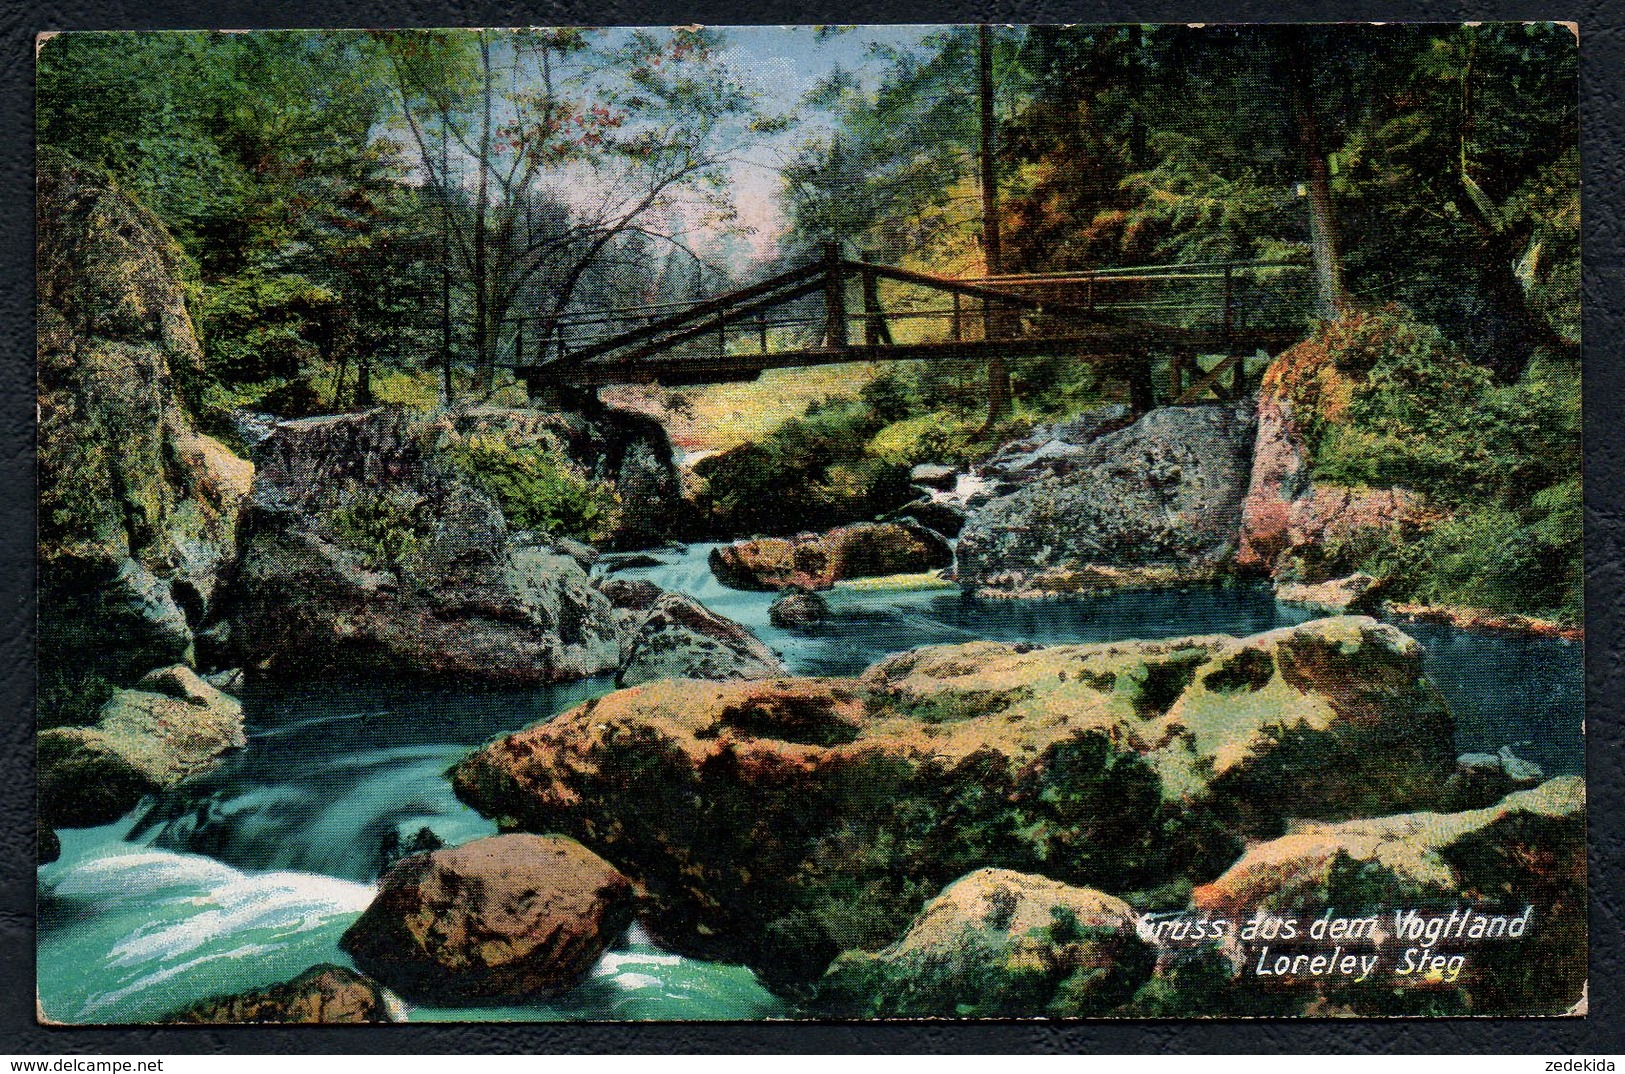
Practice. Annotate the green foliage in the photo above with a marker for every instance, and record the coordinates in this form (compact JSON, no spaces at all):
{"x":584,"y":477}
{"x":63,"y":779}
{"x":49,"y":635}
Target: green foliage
{"x":413,"y":389}
{"x":1420,"y":416}
{"x":1528,"y":561}
{"x":809,"y":473}
{"x":383,"y":527}
{"x":939,"y":437}
{"x":258,"y":152}
{"x":537,"y":490}
{"x":1405,"y":409}
{"x":260,"y":325}
{"x":847,"y":460}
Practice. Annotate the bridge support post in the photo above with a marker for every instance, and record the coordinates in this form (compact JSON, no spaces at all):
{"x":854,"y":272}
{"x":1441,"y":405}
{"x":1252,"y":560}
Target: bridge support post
{"x":875,"y":331}
{"x":1141,"y":395}
{"x":1176,"y":376}
{"x":834,"y":298}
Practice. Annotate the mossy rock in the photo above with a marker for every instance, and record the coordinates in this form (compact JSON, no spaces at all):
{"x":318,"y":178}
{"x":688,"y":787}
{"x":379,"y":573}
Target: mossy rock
{"x":997,"y":944}
{"x":138,"y":509}
{"x":781,"y":822}
{"x":1526,"y":852}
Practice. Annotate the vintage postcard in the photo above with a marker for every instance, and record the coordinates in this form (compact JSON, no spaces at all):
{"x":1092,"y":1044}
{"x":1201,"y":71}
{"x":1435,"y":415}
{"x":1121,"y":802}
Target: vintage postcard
{"x":849,"y":522}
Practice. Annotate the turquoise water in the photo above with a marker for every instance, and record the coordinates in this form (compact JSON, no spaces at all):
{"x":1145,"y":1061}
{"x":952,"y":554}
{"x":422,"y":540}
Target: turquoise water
{"x":250,"y":875}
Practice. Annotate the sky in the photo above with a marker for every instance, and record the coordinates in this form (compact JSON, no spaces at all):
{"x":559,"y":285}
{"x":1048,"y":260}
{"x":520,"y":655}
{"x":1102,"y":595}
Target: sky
{"x":779,"y":65}
{"x":783,"y":63}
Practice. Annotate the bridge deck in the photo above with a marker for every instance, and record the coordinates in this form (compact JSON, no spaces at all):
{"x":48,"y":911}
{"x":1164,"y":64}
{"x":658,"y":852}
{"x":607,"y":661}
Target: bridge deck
{"x":1103,"y":344}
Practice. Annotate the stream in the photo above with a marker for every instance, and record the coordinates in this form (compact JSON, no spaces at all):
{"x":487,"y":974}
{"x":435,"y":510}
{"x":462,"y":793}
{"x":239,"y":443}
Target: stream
{"x":249,"y":875}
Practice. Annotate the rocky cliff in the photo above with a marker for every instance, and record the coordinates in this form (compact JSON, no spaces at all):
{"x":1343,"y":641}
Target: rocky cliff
{"x":1293,"y":527}
{"x":137,"y":508}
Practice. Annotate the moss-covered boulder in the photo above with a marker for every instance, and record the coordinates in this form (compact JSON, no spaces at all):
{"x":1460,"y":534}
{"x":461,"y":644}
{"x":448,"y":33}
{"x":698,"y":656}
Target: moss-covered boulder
{"x":627,"y":453}
{"x":173,"y":725}
{"x":679,"y":638}
{"x":138,"y":509}
{"x":1525,"y":856}
{"x":513,"y":917}
{"x":322,"y":995}
{"x":1296,"y":526}
{"x":864,"y":550}
{"x":366,"y":547}
{"x":1330,"y":719}
{"x":997,"y":944}
{"x":781,"y":822}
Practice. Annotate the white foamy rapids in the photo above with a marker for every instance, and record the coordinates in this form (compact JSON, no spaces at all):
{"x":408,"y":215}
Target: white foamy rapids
{"x":327,"y":820}
{"x":133,"y":933}
{"x":965,"y":487}
{"x":636,"y":981}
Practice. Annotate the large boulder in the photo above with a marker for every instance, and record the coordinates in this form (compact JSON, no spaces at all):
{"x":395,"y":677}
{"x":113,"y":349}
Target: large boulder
{"x":997,"y":944}
{"x":1524,"y":853}
{"x":1155,"y":503}
{"x":367,"y":548}
{"x":138,"y":509}
{"x":680,"y":638}
{"x":512,"y":917}
{"x":322,"y":995}
{"x":173,"y":725}
{"x":1058,"y":448}
{"x":779,"y":823}
{"x":1438,"y":851}
{"x":864,"y":550}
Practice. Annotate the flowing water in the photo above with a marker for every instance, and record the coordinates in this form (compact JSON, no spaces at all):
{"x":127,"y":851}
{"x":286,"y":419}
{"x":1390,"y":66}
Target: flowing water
{"x":250,"y":875}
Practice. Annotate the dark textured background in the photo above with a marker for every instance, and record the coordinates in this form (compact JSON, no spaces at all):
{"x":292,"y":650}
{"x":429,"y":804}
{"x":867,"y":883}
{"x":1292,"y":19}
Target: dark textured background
{"x":1602,"y":24}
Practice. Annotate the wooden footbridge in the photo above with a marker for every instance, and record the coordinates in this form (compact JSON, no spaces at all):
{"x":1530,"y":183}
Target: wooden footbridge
{"x":1120,"y":320}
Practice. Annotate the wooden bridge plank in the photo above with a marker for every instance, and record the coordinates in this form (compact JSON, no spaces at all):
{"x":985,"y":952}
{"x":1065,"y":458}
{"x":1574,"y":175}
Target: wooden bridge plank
{"x":1086,"y":332}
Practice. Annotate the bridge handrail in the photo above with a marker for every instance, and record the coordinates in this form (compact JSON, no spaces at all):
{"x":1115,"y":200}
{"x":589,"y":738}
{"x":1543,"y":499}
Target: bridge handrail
{"x":675,"y":321}
{"x":1133,"y":270}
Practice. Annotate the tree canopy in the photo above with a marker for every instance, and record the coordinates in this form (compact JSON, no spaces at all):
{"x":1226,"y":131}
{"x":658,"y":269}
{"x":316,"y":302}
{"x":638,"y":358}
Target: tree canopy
{"x":367,"y":207}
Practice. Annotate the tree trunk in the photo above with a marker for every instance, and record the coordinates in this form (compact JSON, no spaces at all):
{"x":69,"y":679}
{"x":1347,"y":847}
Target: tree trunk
{"x":445,"y":260}
{"x":998,"y":377}
{"x":1294,"y":46}
{"x":483,"y":350}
